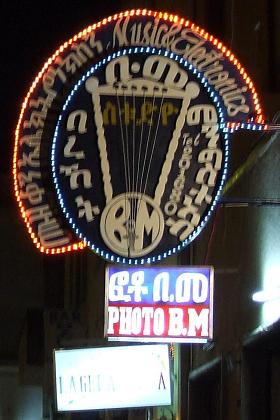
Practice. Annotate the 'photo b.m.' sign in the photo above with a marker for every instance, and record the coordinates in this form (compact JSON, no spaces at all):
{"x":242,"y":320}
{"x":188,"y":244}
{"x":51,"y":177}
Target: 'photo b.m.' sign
{"x":159,"y":304}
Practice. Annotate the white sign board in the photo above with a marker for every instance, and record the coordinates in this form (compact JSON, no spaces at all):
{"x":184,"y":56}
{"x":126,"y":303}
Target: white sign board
{"x":112,"y":377}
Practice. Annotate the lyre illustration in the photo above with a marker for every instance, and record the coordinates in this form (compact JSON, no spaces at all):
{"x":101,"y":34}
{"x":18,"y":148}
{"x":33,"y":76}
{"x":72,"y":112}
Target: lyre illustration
{"x":132,"y":222}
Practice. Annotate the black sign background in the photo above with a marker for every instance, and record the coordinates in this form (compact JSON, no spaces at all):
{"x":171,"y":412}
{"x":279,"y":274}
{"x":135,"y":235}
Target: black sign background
{"x":136,"y":145}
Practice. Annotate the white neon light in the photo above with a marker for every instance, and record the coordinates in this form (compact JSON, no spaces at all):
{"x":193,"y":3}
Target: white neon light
{"x":262,"y":296}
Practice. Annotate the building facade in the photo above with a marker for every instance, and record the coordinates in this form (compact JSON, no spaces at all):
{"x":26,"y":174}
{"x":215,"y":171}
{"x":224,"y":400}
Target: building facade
{"x":235,"y":376}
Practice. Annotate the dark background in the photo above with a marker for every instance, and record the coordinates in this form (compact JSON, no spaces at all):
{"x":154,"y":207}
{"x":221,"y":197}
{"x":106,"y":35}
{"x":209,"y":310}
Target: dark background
{"x":31,"y":31}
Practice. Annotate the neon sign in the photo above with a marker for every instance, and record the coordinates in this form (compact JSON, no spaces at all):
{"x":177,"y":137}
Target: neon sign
{"x":162,"y":304}
{"x":122,"y":140}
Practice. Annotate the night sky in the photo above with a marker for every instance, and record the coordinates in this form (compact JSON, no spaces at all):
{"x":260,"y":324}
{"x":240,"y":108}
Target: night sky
{"x":30,"y":33}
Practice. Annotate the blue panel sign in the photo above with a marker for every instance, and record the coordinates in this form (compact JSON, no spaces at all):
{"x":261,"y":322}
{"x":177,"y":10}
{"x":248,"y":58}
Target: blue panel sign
{"x":171,"y":304}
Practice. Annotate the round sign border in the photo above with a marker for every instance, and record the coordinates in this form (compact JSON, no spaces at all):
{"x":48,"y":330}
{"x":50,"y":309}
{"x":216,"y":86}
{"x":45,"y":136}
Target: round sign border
{"x":256,"y":123}
{"x":225,"y":140}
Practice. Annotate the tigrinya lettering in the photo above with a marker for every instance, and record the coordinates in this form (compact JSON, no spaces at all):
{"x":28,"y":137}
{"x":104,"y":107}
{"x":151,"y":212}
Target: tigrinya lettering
{"x":31,"y":140}
{"x":49,"y":232}
{"x":187,"y":217}
{"x":33,"y":193}
{"x":31,"y":159}
{"x":26,"y":178}
{"x":170,"y":207}
{"x":51,"y":235}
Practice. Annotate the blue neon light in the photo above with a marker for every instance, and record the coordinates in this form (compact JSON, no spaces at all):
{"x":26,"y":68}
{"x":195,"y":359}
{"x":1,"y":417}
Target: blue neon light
{"x":215,"y":99}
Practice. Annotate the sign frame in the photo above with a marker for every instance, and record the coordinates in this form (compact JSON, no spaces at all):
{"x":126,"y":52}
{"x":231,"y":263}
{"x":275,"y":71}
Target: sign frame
{"x":157,"y":32}
{"x":162,"y":309}
{"x":156,"y":354}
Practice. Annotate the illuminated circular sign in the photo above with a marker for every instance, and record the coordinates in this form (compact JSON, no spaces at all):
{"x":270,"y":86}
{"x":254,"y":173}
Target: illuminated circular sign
{"x":138,"y":157}
{"x":122,"y":142}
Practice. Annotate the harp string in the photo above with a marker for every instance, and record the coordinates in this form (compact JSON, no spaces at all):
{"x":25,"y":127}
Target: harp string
{"x":124,"y":153}
{"x":137,"y":160}
{"x":154,"y":143}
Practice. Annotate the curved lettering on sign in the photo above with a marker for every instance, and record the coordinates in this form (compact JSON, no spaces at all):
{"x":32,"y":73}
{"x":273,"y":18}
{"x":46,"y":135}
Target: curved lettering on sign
{"x":122,"y":140}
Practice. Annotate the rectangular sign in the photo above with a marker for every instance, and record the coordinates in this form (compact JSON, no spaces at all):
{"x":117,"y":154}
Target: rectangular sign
{"x":159,"y":304}
{"x":112,"y":377}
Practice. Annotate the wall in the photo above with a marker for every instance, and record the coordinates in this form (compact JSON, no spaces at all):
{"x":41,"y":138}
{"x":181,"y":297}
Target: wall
{"x":18,"y":402}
